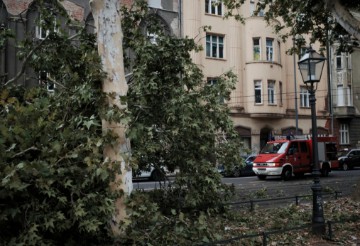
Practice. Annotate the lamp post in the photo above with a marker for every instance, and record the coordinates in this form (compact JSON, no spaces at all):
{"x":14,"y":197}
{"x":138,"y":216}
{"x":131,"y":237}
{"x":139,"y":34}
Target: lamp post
{"x":311,"y":66}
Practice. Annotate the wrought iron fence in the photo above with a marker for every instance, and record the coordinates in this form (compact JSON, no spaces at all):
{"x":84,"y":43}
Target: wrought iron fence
{"x":266,"y":234}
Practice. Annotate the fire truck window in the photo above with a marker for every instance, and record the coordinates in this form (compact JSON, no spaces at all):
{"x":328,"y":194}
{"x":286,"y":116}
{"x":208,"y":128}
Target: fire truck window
{"x":303,"y":147}
{"x":293,"y":148}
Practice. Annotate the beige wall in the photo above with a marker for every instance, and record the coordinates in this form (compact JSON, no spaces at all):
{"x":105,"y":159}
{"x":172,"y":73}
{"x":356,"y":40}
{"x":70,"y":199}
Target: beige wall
{"x":238,"y":56}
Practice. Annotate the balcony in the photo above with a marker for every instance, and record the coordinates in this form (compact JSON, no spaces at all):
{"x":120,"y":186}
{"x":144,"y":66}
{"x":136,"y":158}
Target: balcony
{"x":344,"y":112}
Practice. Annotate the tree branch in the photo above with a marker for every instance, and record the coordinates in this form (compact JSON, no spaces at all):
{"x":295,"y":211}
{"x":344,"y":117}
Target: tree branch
{"x":24,"y":151}
{"x":26,"y":60}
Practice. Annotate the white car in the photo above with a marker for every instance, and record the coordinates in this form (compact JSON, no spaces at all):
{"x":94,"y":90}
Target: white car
{"x":153,"y":174}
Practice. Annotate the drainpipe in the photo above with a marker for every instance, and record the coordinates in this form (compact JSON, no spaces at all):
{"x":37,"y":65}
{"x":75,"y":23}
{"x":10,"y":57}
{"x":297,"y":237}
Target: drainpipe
{"x":328,"y":55}
{"x":296,"y":99}
{"x":180,"y":17}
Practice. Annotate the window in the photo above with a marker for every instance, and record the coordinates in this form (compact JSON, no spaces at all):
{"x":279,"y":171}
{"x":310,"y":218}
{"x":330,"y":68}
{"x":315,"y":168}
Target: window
{"x":258,"y":90}
{"x":269,"y":49}
{"x":281,"y":92}
{"x":344,"y":96}
{"x":212,"y":82}
{"x":304,"y":97}
{"x":256,"y":49}
{"x":154,"y":4}
{"x":303,"y":147}
{"x":152,"y":38}
{"x":343,"y":61}
{"x":214,"y":46}
{"x":348,"y":60}
{"x":271,"y":92}
{"x":252,"y":7}
{"x":339,"y":62}
{"x":344,"y":134}
{"x":213,"y":7}
{"x":302,"y":52}
{"x":349,"y":96}
{"x":261,"y":10}
{"x":279,"y":52}
{"x":44,"y":80}
{"x":41,"y":32}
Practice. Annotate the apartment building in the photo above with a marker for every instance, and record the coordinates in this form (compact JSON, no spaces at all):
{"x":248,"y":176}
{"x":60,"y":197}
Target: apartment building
{"x":269,"y":98}
{"x":345,"y":101}
{"x":20,"y":16}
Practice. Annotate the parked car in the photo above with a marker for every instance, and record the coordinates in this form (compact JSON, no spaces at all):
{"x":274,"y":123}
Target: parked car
{"x":350,"y":160}
{"x":153,"y":173}
{"x":244,"y":170}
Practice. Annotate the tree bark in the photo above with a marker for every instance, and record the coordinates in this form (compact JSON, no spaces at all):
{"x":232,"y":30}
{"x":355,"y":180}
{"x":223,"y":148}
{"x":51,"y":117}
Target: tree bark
{"x":107,"y":20}
{"x":344,"y":17}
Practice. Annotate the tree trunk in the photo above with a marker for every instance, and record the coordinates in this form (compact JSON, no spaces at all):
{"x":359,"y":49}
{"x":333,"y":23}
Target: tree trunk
{"x":107,"y":19}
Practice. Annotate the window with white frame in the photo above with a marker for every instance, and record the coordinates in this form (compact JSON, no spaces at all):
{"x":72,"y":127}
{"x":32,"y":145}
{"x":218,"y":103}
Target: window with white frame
{"x":214,"y":46}
{"x":269,"y":49}
{"x":348,"y":60}
{"x":261,"y":11}
{"x":344,"y":95}
{"x":271,"y":91}
{"x":339,"y":62}
{"x":256,"y":49}
{"x":302,"y":52}
{"x":304,"y":97}
{"x":340,"y":95}
{"x":349,"y":96}
{"x":258,"y":91}
{"x":344,"y":134}
{"x":152,"y":37}
{"x":213,"y":7}
{"x":252,"y":7}
{"x":41,"y":32}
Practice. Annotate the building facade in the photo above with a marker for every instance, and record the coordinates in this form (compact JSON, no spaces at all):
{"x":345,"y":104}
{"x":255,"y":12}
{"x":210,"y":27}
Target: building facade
{"x":270,"y":97}
{"x":345,"y":100}
{"x":21,"y":17}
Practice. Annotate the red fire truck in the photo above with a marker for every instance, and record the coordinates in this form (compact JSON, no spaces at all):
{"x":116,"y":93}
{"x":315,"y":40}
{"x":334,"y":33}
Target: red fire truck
{"x":287,"y":157}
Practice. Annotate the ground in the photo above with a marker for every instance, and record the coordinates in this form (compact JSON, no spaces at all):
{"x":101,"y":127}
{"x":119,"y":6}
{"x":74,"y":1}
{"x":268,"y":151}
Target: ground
{"x":344,"y":213}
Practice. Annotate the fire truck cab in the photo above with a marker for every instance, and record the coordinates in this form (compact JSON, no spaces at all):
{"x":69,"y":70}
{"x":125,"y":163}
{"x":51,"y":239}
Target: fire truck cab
{"x":287,"y":157}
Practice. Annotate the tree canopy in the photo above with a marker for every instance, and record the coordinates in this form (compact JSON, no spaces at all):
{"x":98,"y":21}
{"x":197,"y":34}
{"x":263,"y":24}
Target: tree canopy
{"x":54,"y":176}
{"x":323,"y":20}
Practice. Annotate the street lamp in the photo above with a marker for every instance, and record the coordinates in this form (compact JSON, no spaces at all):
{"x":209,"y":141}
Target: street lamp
{"x":311,"y":66}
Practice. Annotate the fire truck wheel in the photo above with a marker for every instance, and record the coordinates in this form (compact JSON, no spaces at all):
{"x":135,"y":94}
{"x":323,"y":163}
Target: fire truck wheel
{"x":286,"y":174}
{"x":345,"y":167}
{"x":261,"y":177}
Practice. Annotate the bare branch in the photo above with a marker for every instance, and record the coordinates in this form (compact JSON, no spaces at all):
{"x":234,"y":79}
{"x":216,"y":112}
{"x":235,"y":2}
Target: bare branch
{"x":24,"y":151}
{"x":26,"y":60}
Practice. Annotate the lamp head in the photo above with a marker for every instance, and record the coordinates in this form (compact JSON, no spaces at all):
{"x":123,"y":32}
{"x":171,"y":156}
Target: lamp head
{"x":311,"y":66}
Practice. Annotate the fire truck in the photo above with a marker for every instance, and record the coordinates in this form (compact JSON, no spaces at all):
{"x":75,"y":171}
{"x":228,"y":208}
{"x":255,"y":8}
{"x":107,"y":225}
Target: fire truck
{"x":286,"y":157}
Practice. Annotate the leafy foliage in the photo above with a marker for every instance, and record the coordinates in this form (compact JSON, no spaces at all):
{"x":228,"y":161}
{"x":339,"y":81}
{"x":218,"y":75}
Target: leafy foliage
{"x":179,"y":122}
{"x":54,"y":180}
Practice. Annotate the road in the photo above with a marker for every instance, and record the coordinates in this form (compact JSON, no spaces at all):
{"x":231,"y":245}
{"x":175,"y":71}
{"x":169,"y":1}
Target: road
{"x":344,"y":181}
